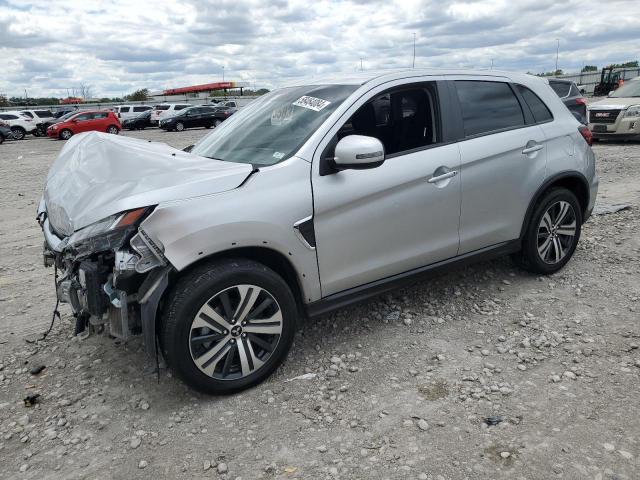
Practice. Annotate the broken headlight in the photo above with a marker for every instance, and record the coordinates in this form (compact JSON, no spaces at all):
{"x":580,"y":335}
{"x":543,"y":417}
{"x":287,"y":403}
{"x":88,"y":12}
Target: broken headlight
{"x":110,"y":233}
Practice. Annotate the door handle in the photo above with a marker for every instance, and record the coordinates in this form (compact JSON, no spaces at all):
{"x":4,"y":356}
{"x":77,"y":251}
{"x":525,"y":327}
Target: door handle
{"x":532,"y":149}
{"x":444,"y":176}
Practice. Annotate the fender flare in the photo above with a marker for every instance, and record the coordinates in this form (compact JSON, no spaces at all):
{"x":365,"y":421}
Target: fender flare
{"x":573,"y":175}
{"x":150,"y":293}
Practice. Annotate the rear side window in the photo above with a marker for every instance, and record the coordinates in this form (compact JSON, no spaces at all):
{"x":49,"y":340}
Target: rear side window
{"x":574,"y":92}
{"x":44,"y":113}
{"x":561,"y":88}
{"x":488,"y":106}
{"x":100,"y":115}
{"x":28,"y":114}
{"x":141,"y":109}
{"x":180,"y":107}
{"x":162,"y":107}
{"x":9,"y":117}
{"x":538,"y":109}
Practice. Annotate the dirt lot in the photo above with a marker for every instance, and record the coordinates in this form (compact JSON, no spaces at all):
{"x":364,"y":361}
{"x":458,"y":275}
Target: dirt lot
{"x":399,"y":387}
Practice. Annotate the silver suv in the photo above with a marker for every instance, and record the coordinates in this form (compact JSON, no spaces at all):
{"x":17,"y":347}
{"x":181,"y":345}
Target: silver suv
{"x":314,"y":196}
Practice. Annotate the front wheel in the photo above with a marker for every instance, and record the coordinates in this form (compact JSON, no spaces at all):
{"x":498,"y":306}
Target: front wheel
{"x":179,"y":127}
{"x":227,"y":325}
{"x":552,"y":234}
{"x":66,"y":134}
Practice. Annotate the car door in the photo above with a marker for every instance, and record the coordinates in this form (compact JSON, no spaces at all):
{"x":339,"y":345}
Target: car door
{"x":377,"y":223}
{"x":83,"y":122}
{"x":504,"y":157}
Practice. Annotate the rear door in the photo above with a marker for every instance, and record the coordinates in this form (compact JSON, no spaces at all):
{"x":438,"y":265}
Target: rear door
{"x":504,"y":159}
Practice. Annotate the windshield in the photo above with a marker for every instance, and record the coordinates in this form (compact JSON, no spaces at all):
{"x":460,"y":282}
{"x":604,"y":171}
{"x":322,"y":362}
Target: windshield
{"x":629,"y":89}
{"x":66,"y":116}
{"x":273,"y":127}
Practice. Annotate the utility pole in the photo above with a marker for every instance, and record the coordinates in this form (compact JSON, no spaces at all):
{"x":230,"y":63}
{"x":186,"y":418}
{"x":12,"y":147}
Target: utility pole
{"x":223,"y":74}
{"x":557,"y":52}
{"x":413,"y":64}
{"x":360,"y":63}
{"x":492,"y":64}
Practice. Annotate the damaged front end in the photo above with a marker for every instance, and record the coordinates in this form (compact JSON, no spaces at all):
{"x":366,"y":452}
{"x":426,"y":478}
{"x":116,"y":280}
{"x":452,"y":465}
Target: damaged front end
{"x":111,"y":272}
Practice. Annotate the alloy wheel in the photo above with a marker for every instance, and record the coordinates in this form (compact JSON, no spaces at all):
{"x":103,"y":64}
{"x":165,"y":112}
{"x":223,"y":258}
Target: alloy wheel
{"x":112,"y":130}
{"x":235,"y":332}
{"x":179,"y":126}
{"x":65,"y":134}
{"x":556,"y":232}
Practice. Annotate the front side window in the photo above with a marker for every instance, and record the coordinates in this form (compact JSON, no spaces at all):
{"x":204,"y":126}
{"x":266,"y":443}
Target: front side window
{"x":403,"y":118}
{"x":141,"y":109}
{"x":44,"y":113}
{"x":180,"y":107}
{"x":273,"y":127}
{"x":9,"y":117}
{"x":83,"y":116}
{"x":488,"y":106}
{"x":162,"y":107}
{"x":124,"y":109}
{"x":28,"y":114}
{"x":538,"y":109}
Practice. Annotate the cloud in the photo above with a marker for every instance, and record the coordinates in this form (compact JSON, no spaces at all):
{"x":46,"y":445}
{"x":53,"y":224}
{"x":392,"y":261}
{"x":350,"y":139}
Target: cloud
{"x":47,"y":47}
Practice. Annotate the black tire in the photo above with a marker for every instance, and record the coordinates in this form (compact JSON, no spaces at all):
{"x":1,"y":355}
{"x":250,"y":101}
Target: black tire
{"x":530,"y":257}
{"x":1,"y":138}
{"x":18,"y":133}
{"x":65,"y":134}
{"x":179,"y":127}
{"x":203,"y":285}
{"x":113,"y":130}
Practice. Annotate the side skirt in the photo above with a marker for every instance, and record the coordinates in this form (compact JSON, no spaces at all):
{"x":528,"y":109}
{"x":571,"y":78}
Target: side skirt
{"x":363,"y":292}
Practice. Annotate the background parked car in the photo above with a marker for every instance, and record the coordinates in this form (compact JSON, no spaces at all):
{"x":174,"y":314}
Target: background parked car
{"x":124,"y":112}
{"x":166,"y":110}
{"x":20,"y":124}
{"x":223,"y":112}
{"x":617,"y":117}
{"x":97,"y":120}
{"x":5,"y":131}
{"x":139,"y":122}
{"x":41,"y":117}
{"x":190,"y":118}
{"x":570,"y":94}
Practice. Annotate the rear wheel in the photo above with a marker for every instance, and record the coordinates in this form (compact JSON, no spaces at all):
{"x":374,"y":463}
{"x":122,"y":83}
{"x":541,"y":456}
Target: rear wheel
{"x":66,"y":134}
{"x":18,"y":132}
{"x":227,"y":325}
{"x":552,"y":234}
{"x":112,"y":129}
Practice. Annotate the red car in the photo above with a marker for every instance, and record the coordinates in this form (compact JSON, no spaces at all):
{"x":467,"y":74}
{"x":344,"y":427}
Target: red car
{"x":86,"y":121}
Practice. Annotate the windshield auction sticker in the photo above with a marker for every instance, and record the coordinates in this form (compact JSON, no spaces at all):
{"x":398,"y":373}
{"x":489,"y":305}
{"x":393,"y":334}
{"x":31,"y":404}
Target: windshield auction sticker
{"x":312,"y":103}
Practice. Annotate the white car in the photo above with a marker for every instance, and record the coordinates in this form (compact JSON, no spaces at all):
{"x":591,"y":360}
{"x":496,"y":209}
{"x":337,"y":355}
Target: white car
{"x":617,"y":117}
{"x":20,"y":124}
{"x":124,"y":112}
{"x":166,"y":110}
{"x":38,"y":115}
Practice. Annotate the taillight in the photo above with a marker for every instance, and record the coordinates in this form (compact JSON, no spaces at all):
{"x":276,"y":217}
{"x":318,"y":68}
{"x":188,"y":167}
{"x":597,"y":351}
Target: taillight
{"x":586,"y":134}
{"x":581,"y":101}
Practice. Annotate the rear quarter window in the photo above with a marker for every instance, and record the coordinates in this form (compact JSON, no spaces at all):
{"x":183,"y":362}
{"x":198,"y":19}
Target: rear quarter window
{"x":539,"y":110}
{"x":488,"y":106}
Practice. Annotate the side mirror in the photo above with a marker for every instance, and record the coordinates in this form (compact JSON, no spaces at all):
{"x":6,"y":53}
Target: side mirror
{"x":188,"y":149}
{"x":358,"y":152}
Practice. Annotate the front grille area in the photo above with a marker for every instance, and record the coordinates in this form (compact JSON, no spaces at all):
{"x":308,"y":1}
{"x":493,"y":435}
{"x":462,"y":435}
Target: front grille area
{"x":604,"y":116}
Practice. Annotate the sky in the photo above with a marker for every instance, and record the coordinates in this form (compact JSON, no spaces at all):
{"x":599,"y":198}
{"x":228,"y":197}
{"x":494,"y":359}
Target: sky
{"x":118,"y":46}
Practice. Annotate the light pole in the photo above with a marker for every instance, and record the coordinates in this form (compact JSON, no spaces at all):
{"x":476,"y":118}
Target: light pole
{"x":557,"y":52}
{"x":413,"y":64}
{"x":360,"y":63}
{"x":492,"y":64}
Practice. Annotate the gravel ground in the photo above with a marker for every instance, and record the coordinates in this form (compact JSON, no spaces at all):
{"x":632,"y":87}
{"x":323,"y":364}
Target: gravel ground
{"x":485,"y":372}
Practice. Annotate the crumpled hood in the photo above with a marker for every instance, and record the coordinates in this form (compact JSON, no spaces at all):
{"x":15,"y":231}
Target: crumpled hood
{"x":97,"y":175}
{"x":610,"y":103}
